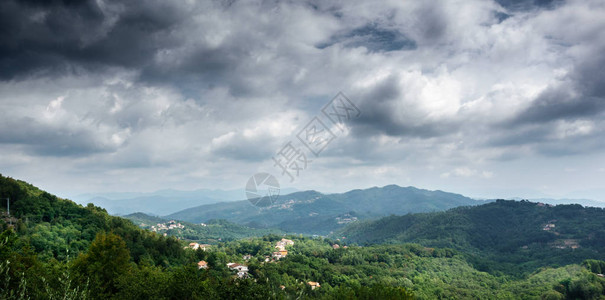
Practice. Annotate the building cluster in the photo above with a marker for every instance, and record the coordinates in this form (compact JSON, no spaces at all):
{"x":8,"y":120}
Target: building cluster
{"x":172,"y":224}
{"x":313,"y":284}
{"x":242,"y":270}
{"x":196,"y":246}
{"x":281,"y":248}
{"x":346,"y":219}
{"x":548,"y":227}
{"x":337,"y":246}
{"x":567,"y":244}
{"x":202,"y":264}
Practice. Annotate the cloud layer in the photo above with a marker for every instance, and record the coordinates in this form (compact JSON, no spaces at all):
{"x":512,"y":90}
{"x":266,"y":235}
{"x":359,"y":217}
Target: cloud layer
{"x":468,"y":96}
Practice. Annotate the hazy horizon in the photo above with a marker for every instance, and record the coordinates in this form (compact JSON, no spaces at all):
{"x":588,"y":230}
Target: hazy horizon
{"x":284,"y":191}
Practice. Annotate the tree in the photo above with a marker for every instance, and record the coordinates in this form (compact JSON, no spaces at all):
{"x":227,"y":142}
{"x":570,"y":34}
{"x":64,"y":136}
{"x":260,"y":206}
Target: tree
{"x":106,"y":260}
{"x":9,"y":188}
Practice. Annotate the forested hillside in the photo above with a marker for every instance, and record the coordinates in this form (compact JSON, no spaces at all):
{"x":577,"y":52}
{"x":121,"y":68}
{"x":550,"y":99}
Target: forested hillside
{"x":508,"y":236}
{"x":211,"y":232}
{"x":56,"y":249}
{"x":56,"y":228}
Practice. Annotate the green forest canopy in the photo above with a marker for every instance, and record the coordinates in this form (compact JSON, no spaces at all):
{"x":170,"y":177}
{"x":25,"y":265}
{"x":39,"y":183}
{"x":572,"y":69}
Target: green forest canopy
{"x":58,"y":249}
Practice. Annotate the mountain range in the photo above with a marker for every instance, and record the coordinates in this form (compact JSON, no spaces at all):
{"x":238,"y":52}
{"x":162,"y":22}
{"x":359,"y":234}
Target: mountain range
{"x":308,"y":212}
{"x":312,"y":212}
{"x":159,"y":202}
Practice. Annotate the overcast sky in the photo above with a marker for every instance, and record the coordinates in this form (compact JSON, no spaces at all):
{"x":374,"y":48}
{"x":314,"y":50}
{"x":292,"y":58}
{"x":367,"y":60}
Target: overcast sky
{"x":486,"y":98}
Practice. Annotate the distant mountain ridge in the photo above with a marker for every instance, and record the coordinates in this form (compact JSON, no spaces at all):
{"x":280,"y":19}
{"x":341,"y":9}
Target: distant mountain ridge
{"x":312,"y":212}
{"x":160,"y":202}
{"x":583,"y":202}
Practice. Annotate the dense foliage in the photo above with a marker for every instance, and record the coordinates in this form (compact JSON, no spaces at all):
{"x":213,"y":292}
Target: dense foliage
{"x":54,"y":228}
{"x":58,"y":249}
{"x":514,"y":237}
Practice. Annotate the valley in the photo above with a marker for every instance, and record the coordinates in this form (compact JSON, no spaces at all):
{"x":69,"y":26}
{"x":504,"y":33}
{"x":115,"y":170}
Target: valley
{"x":500,"y":249}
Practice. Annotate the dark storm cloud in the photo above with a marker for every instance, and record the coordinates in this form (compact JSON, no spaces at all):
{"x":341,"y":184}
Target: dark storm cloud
{"x":589,"y":76}
{"x":566,"y":117}
{"x":205,"y":67}
{"x":385,"y":110}
{"x":44,"y":140}
{"x":166,"y":43}
{"x":519,"y":5}
{"x":433,"y":23}
{"x":550,"y":140}
{"x":581,"y":95}
{"x":557,"y":104}
{"x":531,"y":134}
{"x":57,"y":36}
{"x":374,"y":38}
